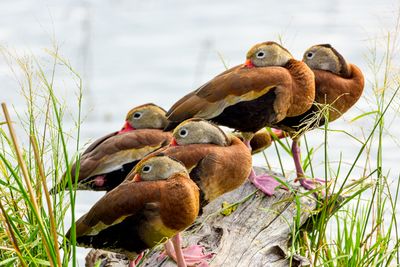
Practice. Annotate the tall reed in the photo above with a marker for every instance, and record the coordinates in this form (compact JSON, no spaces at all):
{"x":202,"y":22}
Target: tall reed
{"x":33,"y":151}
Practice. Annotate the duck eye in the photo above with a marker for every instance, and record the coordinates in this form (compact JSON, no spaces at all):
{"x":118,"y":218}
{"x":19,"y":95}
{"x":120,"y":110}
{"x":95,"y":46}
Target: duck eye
{"x":260,"y":54}
{"x":146,"y":168}
{"x":137,"y":115}
{"x":183,"y":132}
{"x":310,"y":55}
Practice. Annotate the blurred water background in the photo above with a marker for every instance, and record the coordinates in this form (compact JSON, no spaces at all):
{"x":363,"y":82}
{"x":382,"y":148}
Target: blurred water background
{"x":131,"y":52}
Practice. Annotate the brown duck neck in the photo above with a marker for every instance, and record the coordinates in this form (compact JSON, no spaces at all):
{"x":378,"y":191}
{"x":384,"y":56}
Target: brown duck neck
{"x":184,"y":201}
{"x":303,"y":87}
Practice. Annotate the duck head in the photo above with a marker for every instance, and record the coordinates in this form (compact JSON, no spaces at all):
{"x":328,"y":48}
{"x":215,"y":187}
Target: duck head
{"x":325,"y":57}
{"x":147,"y":116}
{"x":267,"y":54}
{"x":198,"y":131}
{"x":158,"y":167}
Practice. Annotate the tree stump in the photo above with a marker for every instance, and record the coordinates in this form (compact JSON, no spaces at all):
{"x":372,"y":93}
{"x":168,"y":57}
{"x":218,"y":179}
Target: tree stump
{"x":255,"y":232}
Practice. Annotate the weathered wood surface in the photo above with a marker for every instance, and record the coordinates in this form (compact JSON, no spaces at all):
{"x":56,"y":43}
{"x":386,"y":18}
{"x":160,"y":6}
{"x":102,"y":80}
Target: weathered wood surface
{"x":255,"y":234}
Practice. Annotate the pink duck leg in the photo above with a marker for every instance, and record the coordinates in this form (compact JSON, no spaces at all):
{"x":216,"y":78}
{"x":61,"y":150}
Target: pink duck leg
{"x":309,"y":184}
{"x":190,"y":256}
{"x":266,"y":183}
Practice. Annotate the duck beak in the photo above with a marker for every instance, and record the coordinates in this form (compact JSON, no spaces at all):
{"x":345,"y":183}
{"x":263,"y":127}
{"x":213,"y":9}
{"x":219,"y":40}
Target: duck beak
{"x":173,"y":142}
{"x":137,"y":178}
{"x":127,"y":128}
{"x":249,"y":64}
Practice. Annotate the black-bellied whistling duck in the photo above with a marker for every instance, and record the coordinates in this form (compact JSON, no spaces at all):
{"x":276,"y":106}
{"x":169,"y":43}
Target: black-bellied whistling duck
{"x":137,"y":215}
{"x":269,"y":87}
{"x":217,"y":163}
{"x":108,"y":160}
{"x":338,"y":87}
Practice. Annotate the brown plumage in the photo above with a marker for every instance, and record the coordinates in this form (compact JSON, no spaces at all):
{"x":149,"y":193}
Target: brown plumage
{"x":260,"y":141}
{"x":217,"y":163}
{"x":341,"y":92}
{"x":136,"y":215}
{"x":269,"y":87}
{"x":107,"y":161}
{"x":339,"y":85}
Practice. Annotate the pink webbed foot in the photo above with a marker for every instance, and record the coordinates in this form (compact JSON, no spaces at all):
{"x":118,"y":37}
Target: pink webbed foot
{"x":311,"y":184}
{"x":192,"y":255}
{"x":264,"y":182}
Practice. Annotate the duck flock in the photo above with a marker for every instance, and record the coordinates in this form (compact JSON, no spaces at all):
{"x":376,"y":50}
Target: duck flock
{"x":162,"y":167}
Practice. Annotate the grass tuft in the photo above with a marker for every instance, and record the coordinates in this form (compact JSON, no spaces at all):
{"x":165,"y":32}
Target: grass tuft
{"x":32,"y":222}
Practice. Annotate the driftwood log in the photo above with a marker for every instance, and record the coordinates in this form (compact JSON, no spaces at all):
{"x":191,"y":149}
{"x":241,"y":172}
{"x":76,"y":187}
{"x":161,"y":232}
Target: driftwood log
{"x":255,"y":232}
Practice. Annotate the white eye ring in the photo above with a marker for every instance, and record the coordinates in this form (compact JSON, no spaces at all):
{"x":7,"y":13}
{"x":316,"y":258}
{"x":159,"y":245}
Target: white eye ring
{"x":147,"y":168}
{"x":137,"y":115}
{"x":183,"y":132}
{"x":310,"y":55}
{"x":260,"y":54}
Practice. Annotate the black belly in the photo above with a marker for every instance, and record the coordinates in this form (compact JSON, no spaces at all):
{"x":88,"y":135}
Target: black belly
{"x":249,"y":116}
{"x":302,"y":122}
{"x":122,"y":237}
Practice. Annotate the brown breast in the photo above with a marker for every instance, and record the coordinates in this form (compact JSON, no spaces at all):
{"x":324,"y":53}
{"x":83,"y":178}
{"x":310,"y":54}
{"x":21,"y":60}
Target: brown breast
{"x":179,"y":203}
{"x":339,"y":92}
